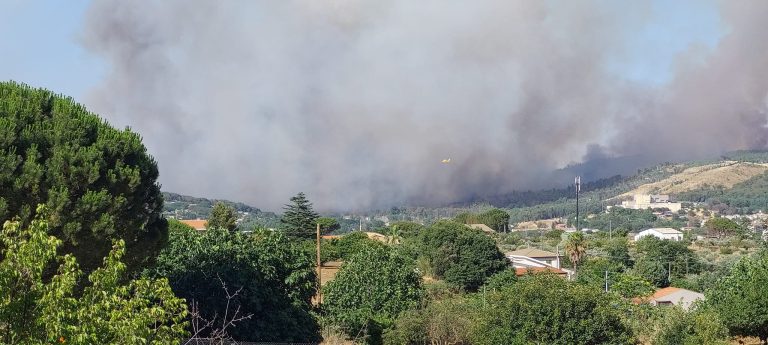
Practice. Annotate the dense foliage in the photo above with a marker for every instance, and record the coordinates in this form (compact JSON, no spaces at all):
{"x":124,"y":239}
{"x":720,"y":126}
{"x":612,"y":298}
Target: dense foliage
{"x":659,"y":260}
{"x":277,"y":279}
{"x":464,"y":257}
{"x":545,"y":309}
{"x":372,"y":288}
{"x":345,"y":247}
{"x":223,"y":216}
{"x":98,"y":182}
{"x":494,"y":218}
{"x":741,"y":298}
{"x":299,"y":219}
{"x":35,"y":310}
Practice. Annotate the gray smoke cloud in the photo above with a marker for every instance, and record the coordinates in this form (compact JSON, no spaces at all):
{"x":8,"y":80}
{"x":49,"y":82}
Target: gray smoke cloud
{"x":357,"y":102}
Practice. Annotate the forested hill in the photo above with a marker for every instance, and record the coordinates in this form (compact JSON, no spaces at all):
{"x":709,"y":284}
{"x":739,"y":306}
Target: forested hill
{"x":188,"y":207}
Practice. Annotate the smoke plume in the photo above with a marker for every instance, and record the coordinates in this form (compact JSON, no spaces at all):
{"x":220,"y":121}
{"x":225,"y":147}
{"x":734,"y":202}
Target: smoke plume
{"x":357,"y":103}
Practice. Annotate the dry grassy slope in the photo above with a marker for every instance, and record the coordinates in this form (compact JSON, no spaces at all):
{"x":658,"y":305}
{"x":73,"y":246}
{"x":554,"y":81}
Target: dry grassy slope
{"x":725,"y":174}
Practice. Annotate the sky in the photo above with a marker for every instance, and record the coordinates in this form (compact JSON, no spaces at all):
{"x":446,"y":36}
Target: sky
{"x":41,"y":43}
{"x":357,"y":103}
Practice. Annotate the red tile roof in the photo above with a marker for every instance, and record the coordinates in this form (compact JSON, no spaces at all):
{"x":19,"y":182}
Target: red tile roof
{"x":197,"y":224}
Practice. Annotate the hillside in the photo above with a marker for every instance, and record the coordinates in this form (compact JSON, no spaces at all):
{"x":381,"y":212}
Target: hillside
{"x":725,"y":175}
{"x":188,"y":207}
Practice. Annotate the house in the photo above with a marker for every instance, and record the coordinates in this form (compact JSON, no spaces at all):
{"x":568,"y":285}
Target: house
{"x":652,"y":201}
{"x":544,"y":262}
{"x":197,"y":224}
{"x":662,"y":233}
{"x":549,"y":258}
{"x":481,"y":227}
{"x":671,"y":296}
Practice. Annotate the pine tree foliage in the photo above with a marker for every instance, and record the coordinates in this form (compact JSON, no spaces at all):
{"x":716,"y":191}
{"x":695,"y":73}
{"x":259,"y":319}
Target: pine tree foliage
{"x":98,"y":182}
{"x":299,"y":219}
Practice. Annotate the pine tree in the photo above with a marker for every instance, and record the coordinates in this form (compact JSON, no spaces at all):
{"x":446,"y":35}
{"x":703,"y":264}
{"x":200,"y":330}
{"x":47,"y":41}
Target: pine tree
{"x":223,"y":216}
{"x":299,"y":219}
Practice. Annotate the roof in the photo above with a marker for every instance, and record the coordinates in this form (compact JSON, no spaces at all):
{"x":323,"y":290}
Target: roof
{"x":664,"y":292}
{"x":197,"y":224}
{"x":667,"y":231}
{"x":521,"y":271}
{"x":533,"y":253}
{"x":482,"y":227}
{"x":661,"y":295}
{"x":330,"y":237}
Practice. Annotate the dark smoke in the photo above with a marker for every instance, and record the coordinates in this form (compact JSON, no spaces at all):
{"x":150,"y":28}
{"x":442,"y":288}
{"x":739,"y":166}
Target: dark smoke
{"x":357,"y":102}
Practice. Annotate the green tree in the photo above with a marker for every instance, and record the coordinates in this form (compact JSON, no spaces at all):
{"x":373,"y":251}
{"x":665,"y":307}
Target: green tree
{"x":372,"y":288}
{"x":98,"y":183}
{"x":495,"y":218}
{"x":576,"y":248}
{"x":223,"y":216}
{"x":655,"y":257}
{"x":277,"y":279}
{"x":328,"y":224}
{"x":741,"y":298}
{"x":629,"y":286}
{"x":618,"y":251}
{"x":35,"y":310}
{"x":408,"y":230}
{"x":546,"y":309}
{"x":299,"y":219}
{"x":464,"y":257}
{"x":502,"y":280}
{"x":722,"y":227}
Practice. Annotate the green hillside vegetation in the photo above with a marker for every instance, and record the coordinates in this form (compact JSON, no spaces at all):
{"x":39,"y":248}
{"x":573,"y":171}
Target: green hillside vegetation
{"x":179,"y":206}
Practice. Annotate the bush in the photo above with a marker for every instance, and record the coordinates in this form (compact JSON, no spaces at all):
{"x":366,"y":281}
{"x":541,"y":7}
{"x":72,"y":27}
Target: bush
{"x":678,"y":327}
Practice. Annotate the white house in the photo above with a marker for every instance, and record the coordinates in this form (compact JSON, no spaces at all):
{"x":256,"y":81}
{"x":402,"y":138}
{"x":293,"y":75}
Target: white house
{"x":549,"y":258}
{"x":535,"y":261}
{"x":662,"y":233}
{"x":672,"y":296}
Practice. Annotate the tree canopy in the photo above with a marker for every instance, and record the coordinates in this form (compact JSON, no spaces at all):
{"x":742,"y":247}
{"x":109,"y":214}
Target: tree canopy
{"x":36,"y":310}
{"x":299,"y":219}
{"x":277,"y":279}
{"x":721,"y":227}
{"x":464,"y":257}
{"x":372,"y":288}
{"x":223,"y":216}
{"x":98,"y":183}
{"x":546,"y":309}
{"x":741,"y":298}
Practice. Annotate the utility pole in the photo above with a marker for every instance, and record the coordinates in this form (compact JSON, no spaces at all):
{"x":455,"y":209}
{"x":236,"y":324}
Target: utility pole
{"x":319,"y":269}
{"x":669,"y":271}
{"x":610,"y":229}
{"x":578,"y":189}
{"x":606,"y":280}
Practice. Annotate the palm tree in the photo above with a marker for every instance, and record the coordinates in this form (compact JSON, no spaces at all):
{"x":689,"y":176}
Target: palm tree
{"x":576,"y":248}
{"x":394,"y":236}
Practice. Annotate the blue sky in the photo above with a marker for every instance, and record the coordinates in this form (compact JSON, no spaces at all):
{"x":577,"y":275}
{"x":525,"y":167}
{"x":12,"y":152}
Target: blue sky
{"x":40,"y":46}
